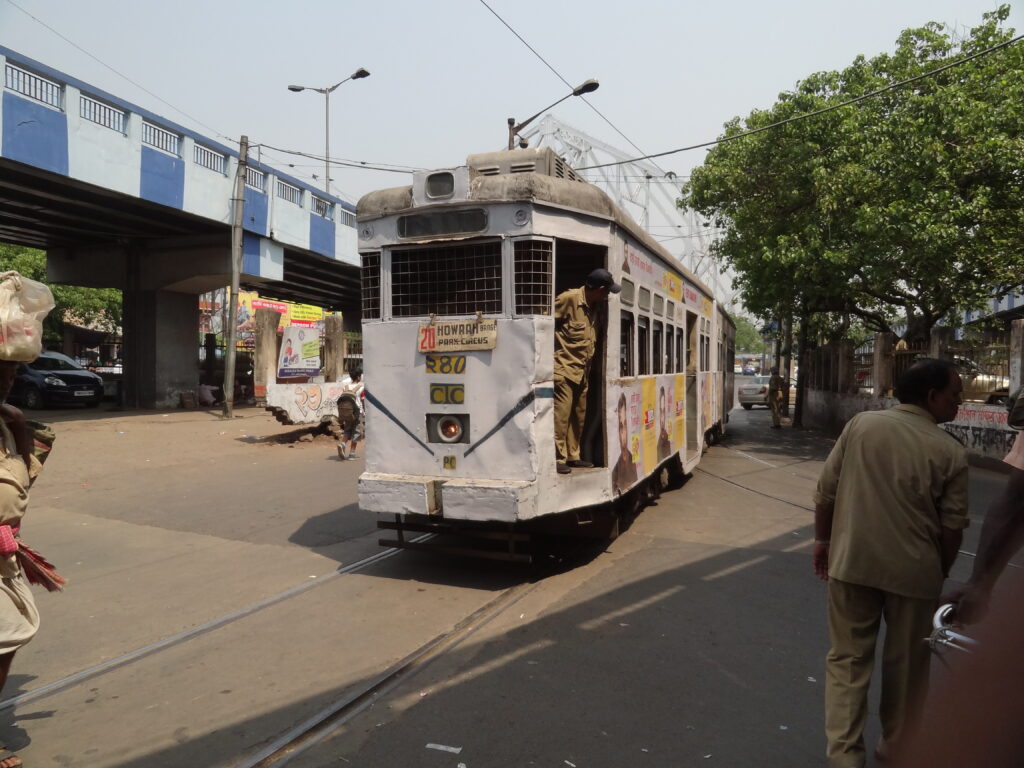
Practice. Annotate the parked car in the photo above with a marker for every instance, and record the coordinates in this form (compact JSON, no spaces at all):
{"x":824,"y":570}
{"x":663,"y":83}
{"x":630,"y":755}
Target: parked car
{"x":54,"y":379}
{"x":980,"y":385}
{"x":749,"y":370}
{"x":754,"y":392}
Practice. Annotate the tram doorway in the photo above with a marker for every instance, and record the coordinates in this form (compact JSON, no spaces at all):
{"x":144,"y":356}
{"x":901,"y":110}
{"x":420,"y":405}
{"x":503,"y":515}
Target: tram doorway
{"x":573,"y":262}
{"x":693,"y":444}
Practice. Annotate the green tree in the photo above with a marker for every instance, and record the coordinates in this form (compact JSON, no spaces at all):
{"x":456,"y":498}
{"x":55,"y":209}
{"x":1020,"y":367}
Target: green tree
{"x":748,"y":337}
{"x":95,"y":307}
{"x":904,"y":207}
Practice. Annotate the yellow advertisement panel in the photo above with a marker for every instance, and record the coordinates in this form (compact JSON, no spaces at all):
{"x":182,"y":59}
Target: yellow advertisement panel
{"x":680,"y":404}
{"x":649,"y":439}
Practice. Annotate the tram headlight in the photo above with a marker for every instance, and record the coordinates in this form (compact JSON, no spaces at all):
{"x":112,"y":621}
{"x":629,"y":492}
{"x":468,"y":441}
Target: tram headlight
{"x":447,"y":428}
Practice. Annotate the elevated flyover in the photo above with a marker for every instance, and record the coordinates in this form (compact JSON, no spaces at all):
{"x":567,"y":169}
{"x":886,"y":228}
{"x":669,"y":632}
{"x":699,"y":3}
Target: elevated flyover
{"x":119,"y":197}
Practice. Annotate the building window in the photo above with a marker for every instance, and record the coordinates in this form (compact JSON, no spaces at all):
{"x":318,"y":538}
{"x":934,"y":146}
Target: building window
{"x":289,"y":192}
{"x":207,"y":158}
{"x":255,"y":179}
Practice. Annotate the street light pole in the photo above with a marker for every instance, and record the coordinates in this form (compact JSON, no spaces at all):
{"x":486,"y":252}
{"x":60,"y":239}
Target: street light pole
{"x":357,"y":75}
{"x":588,"y":86}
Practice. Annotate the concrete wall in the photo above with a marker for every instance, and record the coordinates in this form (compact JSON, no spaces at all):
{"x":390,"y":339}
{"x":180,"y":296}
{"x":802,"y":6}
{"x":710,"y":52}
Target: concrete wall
{"x":981,"y":428}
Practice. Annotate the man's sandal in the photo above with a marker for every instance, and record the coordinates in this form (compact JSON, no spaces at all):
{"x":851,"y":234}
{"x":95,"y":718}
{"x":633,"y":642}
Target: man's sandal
{"x":8,"y":759}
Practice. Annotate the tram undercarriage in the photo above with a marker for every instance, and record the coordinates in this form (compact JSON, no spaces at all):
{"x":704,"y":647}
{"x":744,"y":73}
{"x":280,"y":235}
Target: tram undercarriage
{"x":524,"y":541}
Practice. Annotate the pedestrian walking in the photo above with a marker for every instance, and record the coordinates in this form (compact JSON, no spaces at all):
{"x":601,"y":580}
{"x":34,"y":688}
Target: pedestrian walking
{"x":23,"y":304}
{"x":350,"y":415}
{"x":576,"y":326}
{"x":776,"y":391}
{"x":890,"y":509}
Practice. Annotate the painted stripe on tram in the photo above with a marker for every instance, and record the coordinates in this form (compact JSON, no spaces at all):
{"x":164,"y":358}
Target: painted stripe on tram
{"x":524,"y":401}
{"x":383,"y":409}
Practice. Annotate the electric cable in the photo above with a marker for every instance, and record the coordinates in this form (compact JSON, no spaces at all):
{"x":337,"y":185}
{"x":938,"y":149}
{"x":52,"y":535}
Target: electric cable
{"x":796,"y":118}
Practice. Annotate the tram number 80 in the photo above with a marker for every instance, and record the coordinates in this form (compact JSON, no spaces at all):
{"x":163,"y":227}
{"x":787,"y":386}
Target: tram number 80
{"x":447,"y":394}
{"x":446,"y":364}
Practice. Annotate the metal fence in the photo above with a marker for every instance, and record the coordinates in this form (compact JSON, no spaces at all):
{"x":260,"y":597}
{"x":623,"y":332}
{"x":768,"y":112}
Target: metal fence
{"x":160,"y":138}
{"x":288,"y":192}
{"x":34,"y":86}
{"x":102,"y":114}
{"x":322,"y":207}
{"x":255,"y":179}
{"x":208,"y":158}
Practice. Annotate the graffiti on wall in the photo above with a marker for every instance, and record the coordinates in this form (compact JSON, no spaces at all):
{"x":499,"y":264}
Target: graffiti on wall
{"x":306,"y":403}
{"x":983,"y":430}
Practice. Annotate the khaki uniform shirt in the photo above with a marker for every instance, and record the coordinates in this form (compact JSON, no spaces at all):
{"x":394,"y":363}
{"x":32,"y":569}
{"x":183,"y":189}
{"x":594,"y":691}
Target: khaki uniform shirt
{"x":575,"y":334}
{"x":896,"y":479}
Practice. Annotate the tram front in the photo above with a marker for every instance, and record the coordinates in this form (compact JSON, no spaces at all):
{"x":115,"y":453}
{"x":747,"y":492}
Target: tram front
{"x":458,"y":286}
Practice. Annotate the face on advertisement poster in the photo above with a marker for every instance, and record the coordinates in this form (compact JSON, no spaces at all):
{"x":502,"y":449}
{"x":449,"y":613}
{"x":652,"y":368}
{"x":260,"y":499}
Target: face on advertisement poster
{"x":300,"y":352}
{"x":624,"y":468}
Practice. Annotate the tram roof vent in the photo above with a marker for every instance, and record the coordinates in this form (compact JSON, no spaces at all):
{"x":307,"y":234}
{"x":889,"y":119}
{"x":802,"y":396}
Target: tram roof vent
{"x":541,"y":160}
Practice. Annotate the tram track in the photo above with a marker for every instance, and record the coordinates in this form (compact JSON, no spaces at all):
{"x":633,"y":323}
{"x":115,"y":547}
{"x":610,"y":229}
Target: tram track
{"x":180,"y":638}
{"x":339,"y":712}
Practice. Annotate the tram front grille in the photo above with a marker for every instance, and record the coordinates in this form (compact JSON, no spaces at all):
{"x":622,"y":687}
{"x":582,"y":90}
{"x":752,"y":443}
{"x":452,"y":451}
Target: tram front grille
{"x":446,"y":280}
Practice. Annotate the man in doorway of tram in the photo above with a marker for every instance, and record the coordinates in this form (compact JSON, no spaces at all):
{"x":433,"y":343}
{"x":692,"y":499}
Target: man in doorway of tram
{"x":576,"y":319}
{"x":890,"y":509}
{"x":776,"y":389}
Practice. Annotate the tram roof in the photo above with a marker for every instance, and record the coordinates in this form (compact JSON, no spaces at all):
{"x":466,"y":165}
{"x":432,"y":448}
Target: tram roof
{"x":532,"y":187}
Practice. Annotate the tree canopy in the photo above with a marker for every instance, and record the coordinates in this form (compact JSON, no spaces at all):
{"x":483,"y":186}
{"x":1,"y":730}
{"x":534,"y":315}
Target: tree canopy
{"x":903,"y":207}
{"x":98,"y":308}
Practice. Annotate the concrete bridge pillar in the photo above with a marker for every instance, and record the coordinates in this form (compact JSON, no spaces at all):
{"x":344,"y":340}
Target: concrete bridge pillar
{"x":161,"y":331}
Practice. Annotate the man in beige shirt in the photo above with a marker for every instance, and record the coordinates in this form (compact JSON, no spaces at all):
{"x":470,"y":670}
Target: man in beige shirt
{"x":890,"y":509}
{"x":576,"y":326}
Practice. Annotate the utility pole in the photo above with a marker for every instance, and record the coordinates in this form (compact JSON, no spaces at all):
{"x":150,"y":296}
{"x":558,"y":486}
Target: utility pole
{"x":238,"y":207}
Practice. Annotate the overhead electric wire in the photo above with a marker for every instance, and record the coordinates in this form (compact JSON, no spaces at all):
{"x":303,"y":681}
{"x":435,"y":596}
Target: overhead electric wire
{"x":568,"y":84}
{"x":348,"y":163}
{"x":796,"y":118}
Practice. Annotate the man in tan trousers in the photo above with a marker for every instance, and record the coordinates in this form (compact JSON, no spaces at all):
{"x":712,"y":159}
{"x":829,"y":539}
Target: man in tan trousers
{"x":576,"y":317}
{"x":890,"y":509}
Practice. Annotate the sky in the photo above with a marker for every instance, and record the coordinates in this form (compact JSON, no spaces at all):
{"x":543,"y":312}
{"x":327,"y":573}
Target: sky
{"x":447,"y":74}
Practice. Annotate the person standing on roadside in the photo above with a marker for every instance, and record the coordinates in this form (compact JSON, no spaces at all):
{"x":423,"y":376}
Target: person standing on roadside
{"x":890,"y":509}
{"x":576,"y":325}
{"x":776,"y":388}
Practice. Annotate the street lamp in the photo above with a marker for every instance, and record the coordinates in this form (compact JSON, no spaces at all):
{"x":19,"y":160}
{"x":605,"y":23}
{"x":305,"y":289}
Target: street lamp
{"x":357,"y":75}
{"x":587,"y":87}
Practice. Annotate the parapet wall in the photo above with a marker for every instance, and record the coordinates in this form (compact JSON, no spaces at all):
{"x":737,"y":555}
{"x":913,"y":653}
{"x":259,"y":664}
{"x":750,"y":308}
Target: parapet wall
{"x":981,"y":428}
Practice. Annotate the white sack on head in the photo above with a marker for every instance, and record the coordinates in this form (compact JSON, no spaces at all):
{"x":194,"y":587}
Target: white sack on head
{"x":23,"y":305}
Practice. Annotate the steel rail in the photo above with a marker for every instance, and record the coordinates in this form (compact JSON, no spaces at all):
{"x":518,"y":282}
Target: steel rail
{"x":189,"y":634}
{"x":335,"y":715}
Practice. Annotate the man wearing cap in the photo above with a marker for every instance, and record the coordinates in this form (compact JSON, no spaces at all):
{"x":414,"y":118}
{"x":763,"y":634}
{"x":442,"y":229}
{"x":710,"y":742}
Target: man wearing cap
{"x":576,"y":318}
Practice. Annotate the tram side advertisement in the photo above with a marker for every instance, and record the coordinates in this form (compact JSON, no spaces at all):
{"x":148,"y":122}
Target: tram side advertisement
{"x":647,"y":423}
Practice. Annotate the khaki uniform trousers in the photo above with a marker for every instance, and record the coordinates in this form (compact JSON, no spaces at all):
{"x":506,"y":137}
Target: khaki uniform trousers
{"x":854,"y":615}
{"x":570,"y":413}
{"x":775,"y":404}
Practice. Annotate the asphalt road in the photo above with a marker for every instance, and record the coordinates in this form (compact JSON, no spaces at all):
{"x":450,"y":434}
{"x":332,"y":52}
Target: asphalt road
{"x":698,"y":636}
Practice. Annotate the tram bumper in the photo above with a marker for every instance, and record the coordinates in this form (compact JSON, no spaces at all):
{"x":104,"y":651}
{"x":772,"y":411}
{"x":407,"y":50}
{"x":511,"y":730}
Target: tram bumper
{"x":453,"y":499}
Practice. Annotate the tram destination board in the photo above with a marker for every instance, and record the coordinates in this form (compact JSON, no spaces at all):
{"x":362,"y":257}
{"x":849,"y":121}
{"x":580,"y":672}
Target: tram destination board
{"x":457,"y":335}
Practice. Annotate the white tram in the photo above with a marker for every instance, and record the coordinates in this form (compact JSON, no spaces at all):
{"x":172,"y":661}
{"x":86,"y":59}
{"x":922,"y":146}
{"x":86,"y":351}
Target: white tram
{"x":459,"y":276}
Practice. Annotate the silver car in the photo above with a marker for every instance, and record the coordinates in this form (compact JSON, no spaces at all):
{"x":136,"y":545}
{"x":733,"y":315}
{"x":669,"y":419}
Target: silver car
{"x":753,"y":391}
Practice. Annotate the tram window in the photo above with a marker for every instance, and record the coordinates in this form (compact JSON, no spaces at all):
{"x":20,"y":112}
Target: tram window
{"x":680,"y":350}
{"x":670,"y":311}
{"x":533,"y":277}
{"x":645,"y":299}
{"x":626,"y":344}
{"x":659,"y":305}
{"x":445,"y":222}
{"x":657,"y":337}
{"x":370,"y":279}
{"x":440,"y":184}
{"x":670,"y":345}
{"x":643,"y":344}
{"x":458,"y":279}
{"x":628,"y":294}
